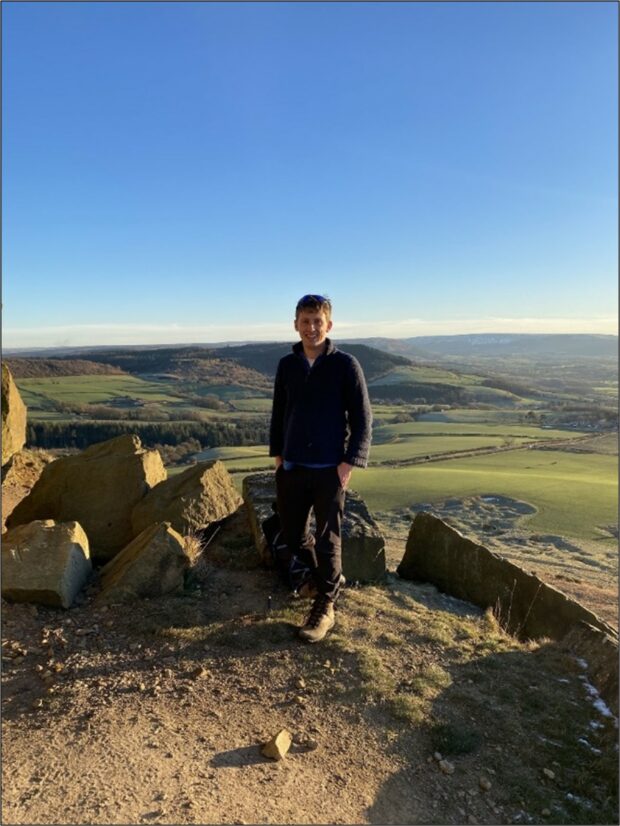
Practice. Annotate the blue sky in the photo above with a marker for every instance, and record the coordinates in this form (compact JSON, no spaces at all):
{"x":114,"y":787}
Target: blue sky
{"x":179,"y":172}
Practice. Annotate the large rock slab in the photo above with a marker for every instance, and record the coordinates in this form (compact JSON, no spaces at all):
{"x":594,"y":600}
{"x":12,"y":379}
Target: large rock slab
{"x":524,"y":604}
{"x":13,"y":417}
{"x":98,"y":488}
{"x":151,"y":565}
{"x":45,"y":562}
{"x":190,"y":501}
{"x":363,"y":546}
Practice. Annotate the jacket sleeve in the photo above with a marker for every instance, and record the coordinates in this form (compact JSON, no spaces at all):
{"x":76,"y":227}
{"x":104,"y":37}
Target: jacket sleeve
{"x":359,"y":416}
{"x":276,"y":429}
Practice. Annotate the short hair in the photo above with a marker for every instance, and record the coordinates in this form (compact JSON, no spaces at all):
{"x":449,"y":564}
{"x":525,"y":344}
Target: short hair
{"x":315,"y":303}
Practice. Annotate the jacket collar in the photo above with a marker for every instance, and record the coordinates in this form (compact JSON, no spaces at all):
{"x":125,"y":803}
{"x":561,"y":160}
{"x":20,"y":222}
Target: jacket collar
{"x":330,"y":347}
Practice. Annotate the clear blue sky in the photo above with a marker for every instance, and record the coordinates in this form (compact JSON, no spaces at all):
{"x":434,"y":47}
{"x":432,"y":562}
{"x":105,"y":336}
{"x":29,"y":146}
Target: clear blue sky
{"x":179,"y":172}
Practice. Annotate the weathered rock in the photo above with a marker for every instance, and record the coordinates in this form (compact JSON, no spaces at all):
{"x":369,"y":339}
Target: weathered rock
{"x":524,"y":604}
{"x":45,"y":562}
{"x":600,"y":651}
{"x":152,"y":564}
{"x":98,"y":488}
{"x":363,"y":546}
{"x":192,"y":500}
{"x":446,"y":766}
{"x":13,"y":417}
{"x":278,"y":746}
{"x":19,"y":476}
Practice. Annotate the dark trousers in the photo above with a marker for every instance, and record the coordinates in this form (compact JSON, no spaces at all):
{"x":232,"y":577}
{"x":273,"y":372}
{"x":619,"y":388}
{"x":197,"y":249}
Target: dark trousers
{"x":298,"y":491}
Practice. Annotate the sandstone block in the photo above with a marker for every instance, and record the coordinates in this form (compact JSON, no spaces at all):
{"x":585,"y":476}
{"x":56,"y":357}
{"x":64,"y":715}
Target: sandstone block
{"x":152,"y":564}
{"x":363,"y":546}
{"x":192,"y":500}
{"x":525,"y":605}
{"x":19,"y":476}
{"x":98,"y":488}
{"x":45,"y":562}
{"x":13,"y":417}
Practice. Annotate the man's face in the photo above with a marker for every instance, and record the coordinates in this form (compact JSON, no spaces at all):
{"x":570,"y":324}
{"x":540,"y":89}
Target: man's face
{"x":313,"y":328}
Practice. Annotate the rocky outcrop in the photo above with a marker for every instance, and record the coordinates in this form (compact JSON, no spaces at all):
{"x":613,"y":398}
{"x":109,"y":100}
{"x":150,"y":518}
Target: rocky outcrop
{"x":363,"y":546}
{"x":45,"y":563}
{"x":202,"y":494}
{"x":97,"y":488}
{"x":524,"y":604}
{"x":151,"y":565}
{"x":13,"y":417}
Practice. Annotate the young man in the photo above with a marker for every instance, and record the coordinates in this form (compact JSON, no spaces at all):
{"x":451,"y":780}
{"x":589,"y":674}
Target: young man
{"x":320,"y":430}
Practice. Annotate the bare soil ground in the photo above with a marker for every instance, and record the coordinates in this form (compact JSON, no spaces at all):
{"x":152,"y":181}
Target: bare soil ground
{"x":417,"y":708}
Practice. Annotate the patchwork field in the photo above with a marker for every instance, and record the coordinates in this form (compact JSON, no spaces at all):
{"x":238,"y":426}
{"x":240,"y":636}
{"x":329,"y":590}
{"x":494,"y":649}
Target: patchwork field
{"x":93,"y":390}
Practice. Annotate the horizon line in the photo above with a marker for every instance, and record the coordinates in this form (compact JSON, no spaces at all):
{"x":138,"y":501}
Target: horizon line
{"x":247,"y":341}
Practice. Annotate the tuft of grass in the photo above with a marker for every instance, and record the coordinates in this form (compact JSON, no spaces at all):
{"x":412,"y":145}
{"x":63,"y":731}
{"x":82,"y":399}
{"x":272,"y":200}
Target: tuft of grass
{"x":376,"y":680}
{"x":389,"y":639}
{"x":438,"y":633}
{"x":409,"y":709}
{"x":430,"y":681}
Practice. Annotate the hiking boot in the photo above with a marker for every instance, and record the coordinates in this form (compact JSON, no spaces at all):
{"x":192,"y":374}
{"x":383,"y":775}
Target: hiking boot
{"x":319,"y":621}
{"x":308,"y":589}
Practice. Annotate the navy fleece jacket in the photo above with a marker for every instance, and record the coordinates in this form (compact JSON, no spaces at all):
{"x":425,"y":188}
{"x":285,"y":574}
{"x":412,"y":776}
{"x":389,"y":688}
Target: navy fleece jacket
{"x":321,"y":414}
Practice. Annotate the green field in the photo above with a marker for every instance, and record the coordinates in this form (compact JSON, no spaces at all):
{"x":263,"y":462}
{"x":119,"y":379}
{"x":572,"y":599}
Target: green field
{"x":94,"y":390}
{"x":256,"y":405}
{"x":468,"y":414}
{"x":572,"y":492}
{"x":412,"y":447}
{"x":254,"y":457}
{"x":406,"y":430}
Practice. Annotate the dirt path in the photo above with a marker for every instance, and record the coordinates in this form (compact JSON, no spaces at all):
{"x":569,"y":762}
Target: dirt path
{"x":155,"y":712}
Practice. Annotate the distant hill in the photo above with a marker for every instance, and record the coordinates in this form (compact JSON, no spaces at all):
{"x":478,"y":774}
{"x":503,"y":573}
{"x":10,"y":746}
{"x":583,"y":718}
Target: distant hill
{"x":248,"y":365}
{"x":501,"y":344}
{"x":35,"y":368}
{"x":190,"y":363}
{"x":265,"y":357}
